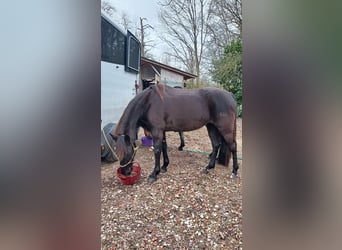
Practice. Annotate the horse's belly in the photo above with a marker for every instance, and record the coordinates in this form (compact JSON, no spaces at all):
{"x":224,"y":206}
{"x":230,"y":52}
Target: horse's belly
{"x":185,"y":114}
{"x":186,"y":123}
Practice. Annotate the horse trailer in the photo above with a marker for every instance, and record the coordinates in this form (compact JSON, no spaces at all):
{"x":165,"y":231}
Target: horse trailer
{"x":120,"y":66}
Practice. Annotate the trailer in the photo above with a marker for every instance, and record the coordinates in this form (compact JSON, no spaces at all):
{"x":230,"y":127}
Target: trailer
{"x":120,"y":66}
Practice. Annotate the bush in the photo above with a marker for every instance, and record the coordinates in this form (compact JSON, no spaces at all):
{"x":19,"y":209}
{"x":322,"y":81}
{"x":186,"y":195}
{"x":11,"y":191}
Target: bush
{"x":227,"y":71}
{"x":191,"y":84}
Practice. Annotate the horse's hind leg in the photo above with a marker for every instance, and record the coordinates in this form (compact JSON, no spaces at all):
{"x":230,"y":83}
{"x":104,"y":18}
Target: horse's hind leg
{"x":231,"y":140}
{"x":232,"y":145}
{"x":181,"y":146}
{"x":165,"y":156}
{"x":233,"y":149}
{"x":215,"y":138}
{"x":224,"y":153}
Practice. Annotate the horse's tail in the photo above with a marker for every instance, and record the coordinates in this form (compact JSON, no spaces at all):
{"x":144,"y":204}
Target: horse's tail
{"x":224,"y":151}
{"x":234,"y":131}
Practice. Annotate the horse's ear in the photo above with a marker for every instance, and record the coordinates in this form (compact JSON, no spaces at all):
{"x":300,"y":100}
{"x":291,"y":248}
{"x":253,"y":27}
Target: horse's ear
{"x":113,"y":136}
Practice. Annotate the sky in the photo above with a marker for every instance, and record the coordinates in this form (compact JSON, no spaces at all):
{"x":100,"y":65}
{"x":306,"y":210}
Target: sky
{"x":145,"y":9}
{"x":138,"y":8}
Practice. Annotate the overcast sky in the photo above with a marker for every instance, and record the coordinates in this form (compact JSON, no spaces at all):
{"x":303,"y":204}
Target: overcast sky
{"x":138,"y":8}
{"x":145,"y":9}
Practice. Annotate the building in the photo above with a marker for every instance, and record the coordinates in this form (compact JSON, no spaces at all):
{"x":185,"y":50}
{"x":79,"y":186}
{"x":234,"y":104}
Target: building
{"x":152,"y":72}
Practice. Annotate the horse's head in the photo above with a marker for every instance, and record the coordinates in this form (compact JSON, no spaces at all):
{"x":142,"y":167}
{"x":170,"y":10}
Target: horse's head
{"x":124,"y":151}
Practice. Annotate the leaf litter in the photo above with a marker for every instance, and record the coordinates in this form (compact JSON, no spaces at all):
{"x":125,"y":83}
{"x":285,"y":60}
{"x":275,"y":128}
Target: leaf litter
{"x":183,"y":209}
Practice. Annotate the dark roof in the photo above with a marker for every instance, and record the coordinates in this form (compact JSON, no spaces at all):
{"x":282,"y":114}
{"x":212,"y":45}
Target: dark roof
{"x":186,"y":75}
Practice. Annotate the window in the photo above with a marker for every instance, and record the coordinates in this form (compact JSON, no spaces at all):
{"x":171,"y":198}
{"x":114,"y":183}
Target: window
{"x":112,"y":43}
{"x":133,"y":52}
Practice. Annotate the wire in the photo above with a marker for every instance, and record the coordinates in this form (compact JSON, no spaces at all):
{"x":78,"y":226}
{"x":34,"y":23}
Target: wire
{"x":202,"y":152}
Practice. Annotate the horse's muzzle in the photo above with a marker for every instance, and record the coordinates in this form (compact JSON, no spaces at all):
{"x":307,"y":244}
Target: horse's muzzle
{"x":127,"y":169}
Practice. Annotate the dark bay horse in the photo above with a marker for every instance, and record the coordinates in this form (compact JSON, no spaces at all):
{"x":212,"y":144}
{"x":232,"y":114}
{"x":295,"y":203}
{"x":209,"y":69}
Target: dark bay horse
{"x":181,"y":136}
{"x":161,"y":108}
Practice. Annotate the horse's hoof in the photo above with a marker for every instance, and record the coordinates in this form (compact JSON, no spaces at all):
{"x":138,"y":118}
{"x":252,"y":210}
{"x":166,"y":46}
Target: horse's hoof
{"x":204,"y":171}
{"x":163,"y":170}
{"x":180,"y":148}
{"x":151,"y":179}
{"x":234,"y":176}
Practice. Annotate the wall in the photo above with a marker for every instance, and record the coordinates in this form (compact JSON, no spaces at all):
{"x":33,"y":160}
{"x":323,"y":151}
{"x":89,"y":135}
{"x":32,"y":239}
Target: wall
{"x":117,"y":89}
{"x":147,"y":72}
{"x":171,"y":79}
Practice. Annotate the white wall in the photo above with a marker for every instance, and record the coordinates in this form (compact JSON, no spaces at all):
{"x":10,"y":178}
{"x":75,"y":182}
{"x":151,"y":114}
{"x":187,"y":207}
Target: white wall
{"x":171,"y":79}
{"x":117,"y":89}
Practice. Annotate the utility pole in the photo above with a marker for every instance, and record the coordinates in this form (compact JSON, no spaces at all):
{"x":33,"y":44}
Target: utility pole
{"x":142,"y":29}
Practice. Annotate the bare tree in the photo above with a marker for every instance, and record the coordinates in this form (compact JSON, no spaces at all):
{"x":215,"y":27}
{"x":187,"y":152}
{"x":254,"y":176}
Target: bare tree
{"x":125,"y":21}
{"x":225,"y":24}
{"x":108,"y":8}
{"x":166,"y":59}
{"x":146,"y":43}
{"x":186,"y":31}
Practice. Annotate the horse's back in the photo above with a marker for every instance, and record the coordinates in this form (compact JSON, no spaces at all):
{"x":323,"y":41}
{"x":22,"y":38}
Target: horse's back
{"x":185,"y":110}
{"x":219,"y":100}
{"x":222,"y":108}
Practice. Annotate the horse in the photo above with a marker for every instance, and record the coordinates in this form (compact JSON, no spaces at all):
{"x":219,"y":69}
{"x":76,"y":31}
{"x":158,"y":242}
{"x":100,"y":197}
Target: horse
{"x":161,"y":108}
{"x":181,"y":136}
{"x":182,"y":143}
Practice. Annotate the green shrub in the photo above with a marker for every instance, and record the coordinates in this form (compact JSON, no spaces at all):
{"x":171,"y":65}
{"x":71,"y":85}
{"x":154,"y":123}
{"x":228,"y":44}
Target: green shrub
{"x":227,"y":71}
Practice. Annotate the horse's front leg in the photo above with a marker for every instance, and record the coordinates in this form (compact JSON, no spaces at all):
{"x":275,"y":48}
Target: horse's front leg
{"x":165,"y":156}
{"x":182,"y":143}
{"x":157,"y":144}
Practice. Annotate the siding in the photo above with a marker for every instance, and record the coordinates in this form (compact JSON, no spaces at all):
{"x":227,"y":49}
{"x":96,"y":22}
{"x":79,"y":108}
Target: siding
{"x":171,"y":79}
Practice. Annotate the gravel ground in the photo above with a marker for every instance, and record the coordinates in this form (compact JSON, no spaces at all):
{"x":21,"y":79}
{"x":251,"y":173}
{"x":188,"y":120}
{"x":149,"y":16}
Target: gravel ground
{"x":183,"y":209}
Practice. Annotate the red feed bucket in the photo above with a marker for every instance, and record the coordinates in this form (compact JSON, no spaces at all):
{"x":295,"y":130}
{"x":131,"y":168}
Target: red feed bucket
{"x":133,"y":177}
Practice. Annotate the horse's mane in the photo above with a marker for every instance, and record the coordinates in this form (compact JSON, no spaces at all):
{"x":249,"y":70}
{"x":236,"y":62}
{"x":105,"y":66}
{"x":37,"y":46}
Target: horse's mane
{"x":137,"y":106}
{"x":160,"y":89}
{"x":127,"y":117}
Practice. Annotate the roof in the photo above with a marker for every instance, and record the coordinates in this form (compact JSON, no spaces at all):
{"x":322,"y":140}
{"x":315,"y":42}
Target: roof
{"x":110,"y":20}
{"x":186,"y":75}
